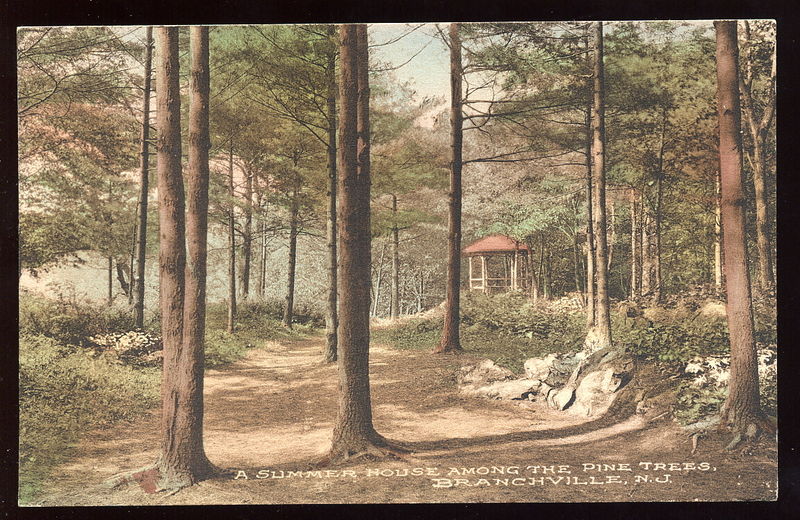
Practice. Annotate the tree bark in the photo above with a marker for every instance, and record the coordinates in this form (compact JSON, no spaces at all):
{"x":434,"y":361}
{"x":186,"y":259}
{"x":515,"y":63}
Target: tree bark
{"x":451,"y":341}
{"x":332,"y":315}
{"x":231,"y":326}
{"x":144,"y":180}
{"x":353,"y":433}
{"x":182,"y":460}
{"x":288,"y":310}
{"x":742,"y":404}
{"x":395,"y":308}
{"x":591,"y":293}
{"x":190,"y":462}
{"x":759,"y":130}
{"x":603,"y":317}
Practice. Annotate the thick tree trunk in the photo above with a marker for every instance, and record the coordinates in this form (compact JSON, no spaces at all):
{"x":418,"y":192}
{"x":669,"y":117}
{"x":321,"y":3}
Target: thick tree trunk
{"x":288,"y":309}
{"x":231,"y":326}
{"x":742,"y":404}
{"x":144,"y":180}
{"x":353,"y":433}
{"x":395,"y":309}
{"x":332,"y":315}
{"x":247,"y":236}
{"x":189,"y":462}
{"x":602,"y":326}
{"x":182,"y":460}
{"x":451,"y":341}
{"x":759,"y":130}
{"x":591,"y":284}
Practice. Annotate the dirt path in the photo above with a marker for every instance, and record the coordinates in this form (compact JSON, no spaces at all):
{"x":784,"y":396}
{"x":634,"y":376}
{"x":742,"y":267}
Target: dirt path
{"x":273,"y":412}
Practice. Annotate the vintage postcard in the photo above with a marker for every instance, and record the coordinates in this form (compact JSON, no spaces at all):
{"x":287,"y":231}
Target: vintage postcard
{"x":397,"y":263}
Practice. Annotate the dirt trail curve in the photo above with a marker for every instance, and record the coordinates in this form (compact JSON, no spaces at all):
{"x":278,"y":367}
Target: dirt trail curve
{"x":273,"y":411}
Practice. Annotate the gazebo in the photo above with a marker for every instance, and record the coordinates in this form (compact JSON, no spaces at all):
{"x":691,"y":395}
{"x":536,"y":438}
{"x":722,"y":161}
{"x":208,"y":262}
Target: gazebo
{"x":502,"y":266}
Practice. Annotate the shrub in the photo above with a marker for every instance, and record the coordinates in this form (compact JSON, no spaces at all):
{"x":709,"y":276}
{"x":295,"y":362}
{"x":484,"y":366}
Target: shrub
{"x":70,"y":320}
{"x":672,"y":342}
{"x":64,"y":390}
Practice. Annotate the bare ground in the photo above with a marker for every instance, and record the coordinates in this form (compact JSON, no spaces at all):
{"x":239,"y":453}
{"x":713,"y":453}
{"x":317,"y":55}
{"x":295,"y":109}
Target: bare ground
{"x":273,"y":412}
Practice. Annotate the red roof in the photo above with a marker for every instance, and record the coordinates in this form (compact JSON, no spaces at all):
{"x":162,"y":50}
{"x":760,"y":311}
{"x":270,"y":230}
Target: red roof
{"x":495,"y":244}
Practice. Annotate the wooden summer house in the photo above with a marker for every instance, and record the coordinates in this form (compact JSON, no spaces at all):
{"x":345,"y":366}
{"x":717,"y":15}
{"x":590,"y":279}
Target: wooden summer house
{"x":497,"y":263}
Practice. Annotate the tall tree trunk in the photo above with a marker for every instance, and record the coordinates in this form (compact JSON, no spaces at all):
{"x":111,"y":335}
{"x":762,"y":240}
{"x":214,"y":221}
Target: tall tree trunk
{"x":602,"y":326}
{"x":262,"y":269}
{"x":353,"y":432}
{"x":110,"y":293}
{"x":591,"y":284}
{"x":182,"y":460}
{"x":376,"y":287}
{"x":532,"y":278}
{"x":718,"y":279}
{"x":612,"y":221}
{"x":288,"y":309}
{"x":184,"y":452}
{"x":636,"y":267}
{"x":332,"y":315}
{"x":130,"y":267}
{"x":759,"y":130}
{"x":231,"y":326}
{"x":247,"y":236}
{"x":144,"y":174}
{"x":657,"y":214}
{"x":395,"y":309}
{"x":451,"y":342}
{"x":541,"y":276}
{"x":742,"y":403}
{"x":647,"y":263}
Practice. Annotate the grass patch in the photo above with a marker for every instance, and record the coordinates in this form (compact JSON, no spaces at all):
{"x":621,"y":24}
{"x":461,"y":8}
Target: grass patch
{"x":67,"y":389}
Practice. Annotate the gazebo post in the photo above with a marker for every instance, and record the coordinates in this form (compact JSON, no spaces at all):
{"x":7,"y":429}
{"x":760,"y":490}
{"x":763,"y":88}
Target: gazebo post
{"x":514,"y":272}
{"x":470,"y":271}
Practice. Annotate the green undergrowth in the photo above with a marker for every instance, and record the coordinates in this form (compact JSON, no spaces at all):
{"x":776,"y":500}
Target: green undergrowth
{"x":66,"y":388}
{"x":508,"y":329}
{"x":505,"y":328}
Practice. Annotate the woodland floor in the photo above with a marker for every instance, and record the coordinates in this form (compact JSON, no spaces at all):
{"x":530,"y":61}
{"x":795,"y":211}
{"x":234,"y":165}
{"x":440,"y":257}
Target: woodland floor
{"x":274,"y":410}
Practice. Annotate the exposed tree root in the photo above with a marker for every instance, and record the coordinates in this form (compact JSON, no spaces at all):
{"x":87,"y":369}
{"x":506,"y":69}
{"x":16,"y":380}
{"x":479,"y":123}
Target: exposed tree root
{"x":155,"y":478}
{"x":374,"y":449}
{"x":747,"y":430}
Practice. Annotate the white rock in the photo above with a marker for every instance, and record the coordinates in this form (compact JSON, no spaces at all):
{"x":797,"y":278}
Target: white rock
{"x":595,"y":392}
{"x":513,"y":389}
{"x":563,"y":397}
{"x":539,"y":368}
